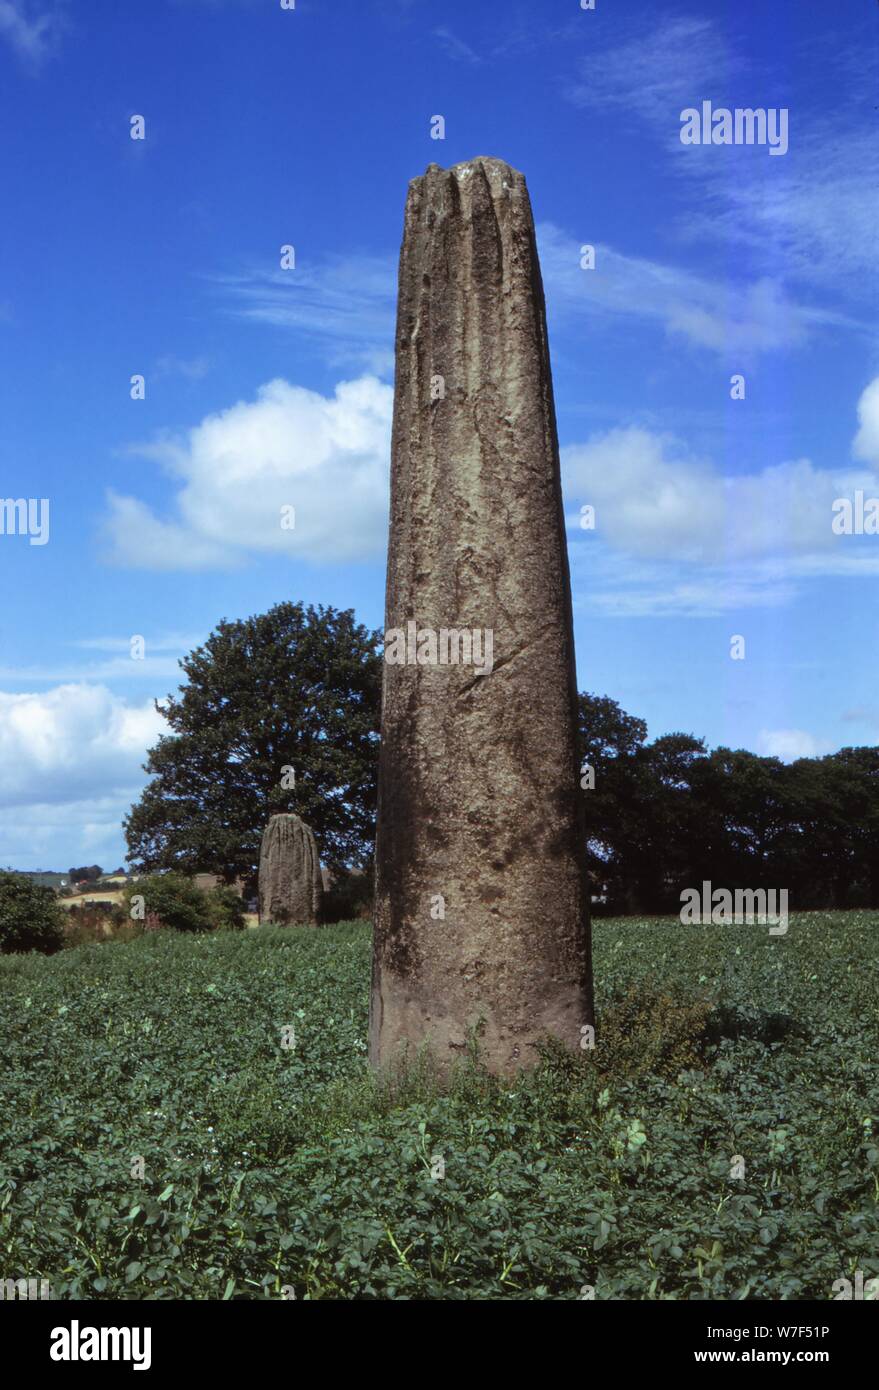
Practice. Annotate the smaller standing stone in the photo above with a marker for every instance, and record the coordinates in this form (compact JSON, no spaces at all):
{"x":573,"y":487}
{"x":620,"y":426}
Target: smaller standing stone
{"x":290,"y":881}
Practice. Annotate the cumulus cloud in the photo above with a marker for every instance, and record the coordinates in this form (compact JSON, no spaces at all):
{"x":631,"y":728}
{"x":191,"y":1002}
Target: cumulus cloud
{"x":72,"y":743}
{"x":326,"y":457}
{"x":866,"y":445}
{"x":678,"y":536}
{"x":47,"y":836}
{"x":653,"y":499}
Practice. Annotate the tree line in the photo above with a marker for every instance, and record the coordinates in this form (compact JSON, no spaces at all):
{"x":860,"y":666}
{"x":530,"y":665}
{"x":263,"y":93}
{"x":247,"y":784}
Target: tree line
{"x":281,"y":712}
{"x":668,"y":814}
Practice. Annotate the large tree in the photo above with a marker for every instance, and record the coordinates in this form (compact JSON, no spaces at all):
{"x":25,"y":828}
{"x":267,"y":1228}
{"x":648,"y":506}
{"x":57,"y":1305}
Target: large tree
{"x":279,"y":712}
{"x":641,"y":826}
{"x":610,"y":740}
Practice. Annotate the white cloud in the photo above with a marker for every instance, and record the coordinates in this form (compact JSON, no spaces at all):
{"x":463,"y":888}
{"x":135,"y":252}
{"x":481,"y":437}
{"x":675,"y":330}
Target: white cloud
{"x":29,"y":32}
{"x":648,"y":500}
{"x":866,"y":445}
{"x":675,"y":535}
{"x":344,"y":305}
{"x":655,"y":74}
{"x":614,"y":585}
{"x":48,"y":836}
{"x":151,"y":668}
{"x":813,"y":211}
{"x":653,"y":499}
{"x":160,"y":661}
{"x":139,"y":540}
{"x":790,"y":744}
{"x":165,"y":642}
{"x":72,"y":743}
{"x":454,"y":47}
{"x":327,"y":457}
{"x":731,"y":318}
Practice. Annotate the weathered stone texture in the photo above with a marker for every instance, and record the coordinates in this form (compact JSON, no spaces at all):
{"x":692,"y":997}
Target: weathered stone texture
{"x":479,"y":798}
{"x":290,"y":880}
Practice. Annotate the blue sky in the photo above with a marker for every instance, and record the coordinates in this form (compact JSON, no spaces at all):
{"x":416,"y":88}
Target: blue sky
{"x":266,"y":127}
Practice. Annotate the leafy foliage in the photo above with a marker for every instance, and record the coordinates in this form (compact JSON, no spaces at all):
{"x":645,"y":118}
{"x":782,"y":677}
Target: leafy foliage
{"x":174,"y":901}
{"x":88,"y":924}
{"x":292,"y":688}
{"x":351,"y":896}
{"x":225,"y":908}
{"x":652,"y":1031}
{"x":86,"y":874}
{"x":269,"y":1168}
{"x":30,"y":918}
{"x":665,"y":815}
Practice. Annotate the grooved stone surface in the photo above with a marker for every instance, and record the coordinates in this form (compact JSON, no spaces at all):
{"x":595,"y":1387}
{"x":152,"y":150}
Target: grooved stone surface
{"x":480,"y":811}
{"x":290,"y":879}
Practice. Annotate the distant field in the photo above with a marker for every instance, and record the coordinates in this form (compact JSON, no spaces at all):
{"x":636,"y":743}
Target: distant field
{"x":267,"y":1166}
{"x":48,"y":880}
{"x":100,"y":896}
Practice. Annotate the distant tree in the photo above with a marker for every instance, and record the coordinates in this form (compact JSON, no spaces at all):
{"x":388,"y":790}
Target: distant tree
{"x":842,"y":832}
{"x":609,"y":740}
{"x":606,"y":731}
{"x":668,"y":823}
{"x":86,"y":874}
{"x":666,"y":815}
{"x":751,"y":797}
{"x":30,"y":918}
{"x":279,"y":712}
{"x":863,"y":816}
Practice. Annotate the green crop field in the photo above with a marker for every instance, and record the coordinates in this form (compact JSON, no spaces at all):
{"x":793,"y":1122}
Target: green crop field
{"x":273,"y":1170}
{"x":47,"y":879}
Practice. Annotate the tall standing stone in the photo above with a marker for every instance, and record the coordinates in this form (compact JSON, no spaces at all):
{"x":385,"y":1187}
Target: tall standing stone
{"x":482,"y":908}
{"x":290,"y":881}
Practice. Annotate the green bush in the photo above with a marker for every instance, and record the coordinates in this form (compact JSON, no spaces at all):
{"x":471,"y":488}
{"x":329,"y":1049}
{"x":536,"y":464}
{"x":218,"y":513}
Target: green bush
{"x":173,"y":900}
{"x":652,"y":1030}
{"x":225,"y":908}
{"x":30,"y":918}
